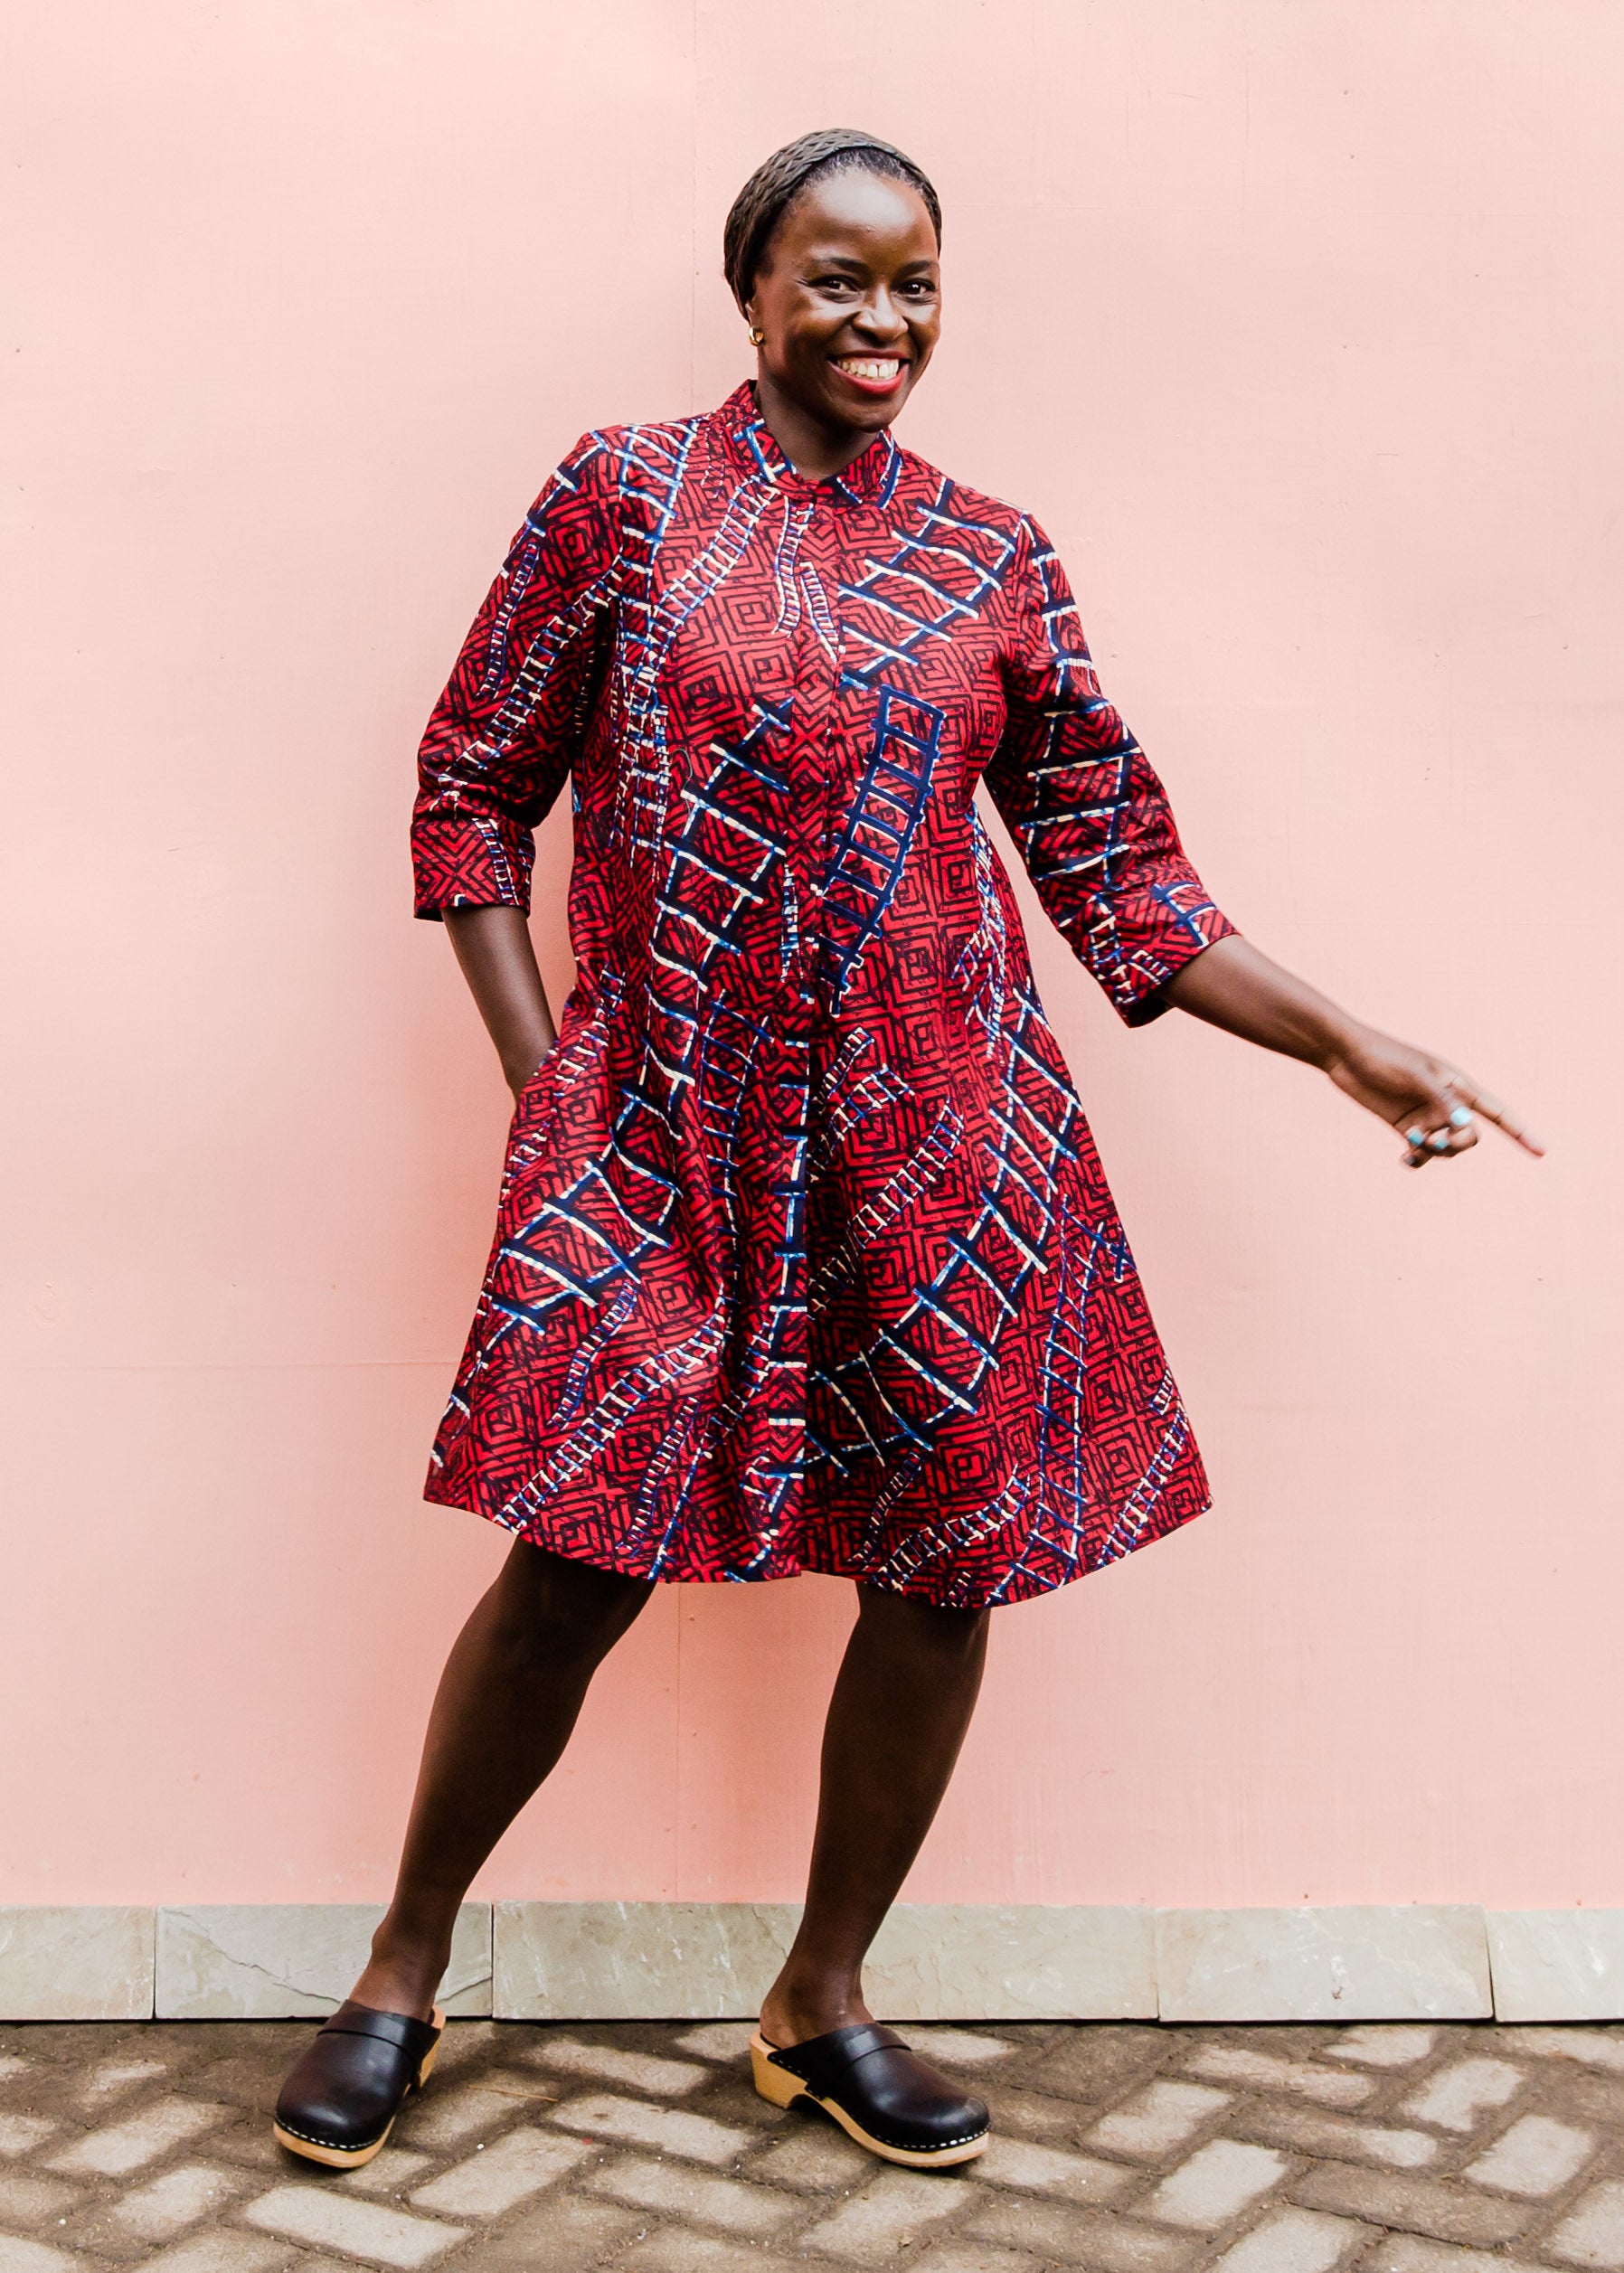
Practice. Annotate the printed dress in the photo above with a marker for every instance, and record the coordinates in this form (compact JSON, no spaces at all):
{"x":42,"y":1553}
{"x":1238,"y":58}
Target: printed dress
{"x":804,"y":1258}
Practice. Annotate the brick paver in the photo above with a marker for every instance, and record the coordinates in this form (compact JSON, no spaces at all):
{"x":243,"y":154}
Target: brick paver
{"x":1221,"y":2180}
{"x":1536,"y":2157}
{"x":1448,"y":2148}
{"x":1594,"y":2233}
{"x":497,"y":2179}
{"x":1459,"y":2094}
{"x":1376,"y":2045}
{"x":1296,"y":2241}
{"x":1157,"y":2119}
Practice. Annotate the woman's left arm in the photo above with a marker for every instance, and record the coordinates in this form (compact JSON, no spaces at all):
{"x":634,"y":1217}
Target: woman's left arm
{"x":1431,"y":1104}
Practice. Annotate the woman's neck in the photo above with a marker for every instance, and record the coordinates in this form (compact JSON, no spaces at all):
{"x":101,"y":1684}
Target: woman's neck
{"x":814,"y":450}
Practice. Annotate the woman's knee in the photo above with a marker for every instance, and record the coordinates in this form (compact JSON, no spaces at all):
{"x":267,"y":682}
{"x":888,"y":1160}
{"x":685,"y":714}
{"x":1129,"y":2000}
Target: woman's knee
{"x":550,"y":1607}
{"x":924,"y":1625}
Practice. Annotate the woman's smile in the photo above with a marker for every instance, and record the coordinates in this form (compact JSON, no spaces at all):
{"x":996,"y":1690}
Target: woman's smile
{"x":871,"y":374}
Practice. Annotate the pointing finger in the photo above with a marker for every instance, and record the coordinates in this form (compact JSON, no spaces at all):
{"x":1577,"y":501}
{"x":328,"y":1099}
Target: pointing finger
{"x":1496,"y":1109}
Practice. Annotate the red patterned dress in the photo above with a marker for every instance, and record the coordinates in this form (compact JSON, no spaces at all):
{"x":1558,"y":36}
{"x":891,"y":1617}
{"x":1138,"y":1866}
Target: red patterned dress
{"x":803,"y":1257}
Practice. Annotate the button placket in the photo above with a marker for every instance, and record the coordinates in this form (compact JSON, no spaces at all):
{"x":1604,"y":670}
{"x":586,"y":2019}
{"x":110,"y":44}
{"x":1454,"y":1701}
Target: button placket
{"x":816,"y":669}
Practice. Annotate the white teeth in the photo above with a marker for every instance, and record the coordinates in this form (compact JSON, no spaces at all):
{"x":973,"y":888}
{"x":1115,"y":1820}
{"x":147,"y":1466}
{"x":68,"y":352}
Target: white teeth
{"x":870,"y":366}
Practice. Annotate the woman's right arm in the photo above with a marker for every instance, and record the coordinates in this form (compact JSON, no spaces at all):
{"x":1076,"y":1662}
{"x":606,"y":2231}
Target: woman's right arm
{"x":498,"y":961}
{"x":503,"y":738}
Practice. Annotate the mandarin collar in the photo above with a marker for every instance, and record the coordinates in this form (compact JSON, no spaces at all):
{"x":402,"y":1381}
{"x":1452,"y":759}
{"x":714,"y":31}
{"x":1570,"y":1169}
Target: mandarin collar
{"x":868,"y":480}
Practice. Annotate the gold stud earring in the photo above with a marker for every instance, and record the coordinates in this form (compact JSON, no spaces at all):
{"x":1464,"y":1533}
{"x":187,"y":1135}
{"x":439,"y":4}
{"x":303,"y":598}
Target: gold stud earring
{"x":756,"y":335}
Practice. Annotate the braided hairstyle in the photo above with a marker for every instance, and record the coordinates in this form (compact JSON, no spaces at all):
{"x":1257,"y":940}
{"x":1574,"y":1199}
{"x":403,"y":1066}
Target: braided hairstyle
{"x":761,"y":203}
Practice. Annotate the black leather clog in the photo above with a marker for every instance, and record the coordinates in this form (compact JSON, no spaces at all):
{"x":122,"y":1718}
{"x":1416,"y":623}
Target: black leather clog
{"x":890,"y":2101}
{"x":344,"y":2090}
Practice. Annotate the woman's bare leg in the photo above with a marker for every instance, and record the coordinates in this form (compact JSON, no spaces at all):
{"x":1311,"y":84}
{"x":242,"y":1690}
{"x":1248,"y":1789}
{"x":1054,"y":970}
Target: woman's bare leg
{"x":902,"y":1701}
{"x":507,"y":1701}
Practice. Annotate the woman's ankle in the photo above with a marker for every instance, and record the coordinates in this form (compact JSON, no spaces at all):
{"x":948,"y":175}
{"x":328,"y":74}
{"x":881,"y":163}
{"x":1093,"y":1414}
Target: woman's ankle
{"x":800,"y":2006}
{"x":404,"y":1973}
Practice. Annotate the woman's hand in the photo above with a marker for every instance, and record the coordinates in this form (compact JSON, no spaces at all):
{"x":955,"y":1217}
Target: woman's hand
{"x":1431,"y":1104}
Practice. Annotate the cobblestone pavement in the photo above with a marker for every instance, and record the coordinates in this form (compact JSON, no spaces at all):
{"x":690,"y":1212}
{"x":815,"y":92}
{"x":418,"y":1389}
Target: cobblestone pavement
{"x":1457,"y":2149}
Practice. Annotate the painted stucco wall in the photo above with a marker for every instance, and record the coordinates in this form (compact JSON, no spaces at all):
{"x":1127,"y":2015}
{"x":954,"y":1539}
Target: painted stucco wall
{"x":1297,"y":323}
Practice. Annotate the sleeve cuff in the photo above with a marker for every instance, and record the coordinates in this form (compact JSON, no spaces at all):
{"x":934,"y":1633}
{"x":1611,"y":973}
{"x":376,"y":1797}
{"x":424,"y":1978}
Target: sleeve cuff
{"x":1138,"y":985}
{"x":470,"y":860}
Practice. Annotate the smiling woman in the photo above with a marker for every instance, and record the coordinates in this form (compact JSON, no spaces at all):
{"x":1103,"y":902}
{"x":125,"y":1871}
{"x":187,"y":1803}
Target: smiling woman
{"x":805,"y":1260}
{"x":839,"y":268}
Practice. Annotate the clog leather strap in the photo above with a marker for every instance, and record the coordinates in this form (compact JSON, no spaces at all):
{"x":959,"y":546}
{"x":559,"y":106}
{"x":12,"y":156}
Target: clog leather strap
{"x":824,"y":2061}
{"x":403,"y":2030}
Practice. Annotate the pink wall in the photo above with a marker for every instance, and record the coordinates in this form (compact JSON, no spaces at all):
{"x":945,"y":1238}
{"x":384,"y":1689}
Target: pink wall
{"x":1299,"y":326}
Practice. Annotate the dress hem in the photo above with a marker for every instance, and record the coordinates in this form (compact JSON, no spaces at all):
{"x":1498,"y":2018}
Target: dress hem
{"x":997,"y":1598}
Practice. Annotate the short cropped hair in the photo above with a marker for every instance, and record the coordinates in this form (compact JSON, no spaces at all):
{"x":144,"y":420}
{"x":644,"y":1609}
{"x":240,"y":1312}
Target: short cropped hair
{"x":761,"y":203}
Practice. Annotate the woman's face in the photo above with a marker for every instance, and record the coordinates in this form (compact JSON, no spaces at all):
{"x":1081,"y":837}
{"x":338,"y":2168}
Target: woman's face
{"x":849,"y":295}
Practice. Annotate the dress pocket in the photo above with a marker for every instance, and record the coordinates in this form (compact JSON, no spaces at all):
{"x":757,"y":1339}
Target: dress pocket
{"x":573,"y":1057}
{"x":523,"y":1094}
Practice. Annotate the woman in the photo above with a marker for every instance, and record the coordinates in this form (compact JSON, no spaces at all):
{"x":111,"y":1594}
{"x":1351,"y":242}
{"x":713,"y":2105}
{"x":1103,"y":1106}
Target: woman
{"x":804,"y":1257}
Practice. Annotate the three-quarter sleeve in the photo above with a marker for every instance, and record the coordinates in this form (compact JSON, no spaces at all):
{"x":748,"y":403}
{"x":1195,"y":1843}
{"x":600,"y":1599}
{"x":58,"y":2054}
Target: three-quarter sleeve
{"x":1089,"y":817}
{"x":503,"y":735}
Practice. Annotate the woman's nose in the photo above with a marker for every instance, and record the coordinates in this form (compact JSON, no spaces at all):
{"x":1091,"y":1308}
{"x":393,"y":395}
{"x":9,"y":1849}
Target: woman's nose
{"x":883,"y":316}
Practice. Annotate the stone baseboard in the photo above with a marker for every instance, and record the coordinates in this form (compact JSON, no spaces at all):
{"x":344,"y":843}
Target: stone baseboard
{"x":581,"y":1961}
{"x":76,"y":1964}
{"x":1557,"y":1965}
{"x":266,"y":1961}
{"x":565,"y":1961}
{"x":1419,"y":1962}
